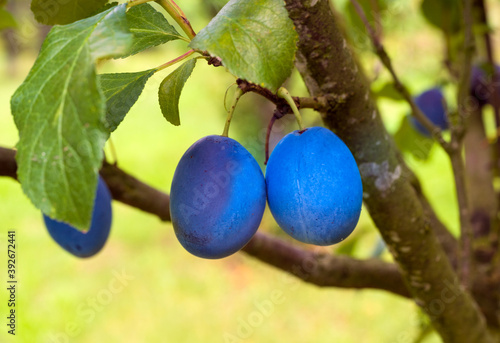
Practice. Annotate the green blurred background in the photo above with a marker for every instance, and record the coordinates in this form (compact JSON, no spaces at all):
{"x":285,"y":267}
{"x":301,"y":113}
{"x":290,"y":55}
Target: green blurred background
{"x":143,"y":287}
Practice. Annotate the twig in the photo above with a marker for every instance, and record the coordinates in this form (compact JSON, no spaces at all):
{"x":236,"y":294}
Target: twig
{"x":268,"y":136}
{"x":376,"y":16}
{"x":8,"y":165}
{"x":466,"y":235}
{"x":400,"y":87}
{"x":178,"y":15}
{"x":175,"y":60}
{"x":455,"y":152}
{"x":318,"y":103}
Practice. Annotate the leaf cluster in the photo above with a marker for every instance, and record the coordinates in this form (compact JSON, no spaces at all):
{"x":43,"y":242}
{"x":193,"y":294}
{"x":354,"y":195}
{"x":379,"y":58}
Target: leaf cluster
{"x":65,"y":111}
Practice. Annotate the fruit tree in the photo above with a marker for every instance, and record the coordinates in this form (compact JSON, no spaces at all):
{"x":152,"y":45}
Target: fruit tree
{"x":316,"y":179}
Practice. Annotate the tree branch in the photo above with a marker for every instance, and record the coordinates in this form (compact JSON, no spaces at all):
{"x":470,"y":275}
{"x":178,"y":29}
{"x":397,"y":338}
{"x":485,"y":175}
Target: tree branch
{"x":318,"y":103}
{"x":494,"y":86}
{"x":324,"y":269}
{"x":455,"y":152}
{"x":319,"y":269}
{"x":129,"y":190}
{"x":8,"y":165}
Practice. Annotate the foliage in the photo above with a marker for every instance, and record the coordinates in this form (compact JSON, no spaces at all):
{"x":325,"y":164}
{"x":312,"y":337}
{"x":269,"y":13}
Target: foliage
{"x":52,"y":12}
{"x":254,"y":39}
{"x":58,"y":170}
{"x":60,"y":112}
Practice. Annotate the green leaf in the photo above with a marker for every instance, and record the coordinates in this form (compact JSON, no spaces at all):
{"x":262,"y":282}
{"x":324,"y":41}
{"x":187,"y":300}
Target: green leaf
{"x":6,"y":19}
{"x":150,"y":28}
{"x":59,"y":111}
{"x":53,"y":12}
{"x":444,"y":14}
{"x":111,"y":38}
{"x":121,"y":92}
{"x":170,"y":91}
{"x":255,"y":40}
{"x":409,"y":140}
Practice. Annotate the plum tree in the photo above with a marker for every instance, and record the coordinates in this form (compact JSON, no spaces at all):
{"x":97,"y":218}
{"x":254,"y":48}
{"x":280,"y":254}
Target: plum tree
{"x":85,"y":244}
{"x":314,"y":187}
{"x":65,"y":112}
{"x":218,"y":197}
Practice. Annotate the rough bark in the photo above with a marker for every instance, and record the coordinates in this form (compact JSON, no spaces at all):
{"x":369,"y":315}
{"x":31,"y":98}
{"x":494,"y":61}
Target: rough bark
{"x":328,"y":67}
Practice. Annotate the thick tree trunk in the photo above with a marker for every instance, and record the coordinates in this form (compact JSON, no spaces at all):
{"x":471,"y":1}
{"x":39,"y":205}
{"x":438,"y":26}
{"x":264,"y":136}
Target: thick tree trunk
{"x":327,"y":66}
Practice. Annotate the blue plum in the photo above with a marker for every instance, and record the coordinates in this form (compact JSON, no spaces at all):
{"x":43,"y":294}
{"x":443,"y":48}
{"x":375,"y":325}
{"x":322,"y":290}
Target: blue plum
{"x":85,"y":244}
{"x":314,"y":188}
{"x":431,"y":103}
{"x":217,"y":198}
{"x":481,"y":88}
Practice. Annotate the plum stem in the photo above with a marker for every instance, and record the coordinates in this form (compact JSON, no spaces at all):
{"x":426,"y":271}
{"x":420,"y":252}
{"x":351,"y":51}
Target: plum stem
{"x":283,"y":93}
{"x":268,"y":135}
{"x":133,"y":3}
{"x":237,"y":96}
{"x":175,"y":60}
{"x":178,"y":15}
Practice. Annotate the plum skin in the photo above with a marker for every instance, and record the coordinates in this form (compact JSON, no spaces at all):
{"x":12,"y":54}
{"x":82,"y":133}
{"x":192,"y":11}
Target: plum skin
{"x":85,"y":244}
{"x":314,"y":188}
{"x":217,"y":198}
{"x":431,"y":103}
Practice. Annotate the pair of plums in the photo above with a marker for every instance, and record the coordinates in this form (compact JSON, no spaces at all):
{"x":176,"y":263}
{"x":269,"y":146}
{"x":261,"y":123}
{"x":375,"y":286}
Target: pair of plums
{"x":218,"y":194}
